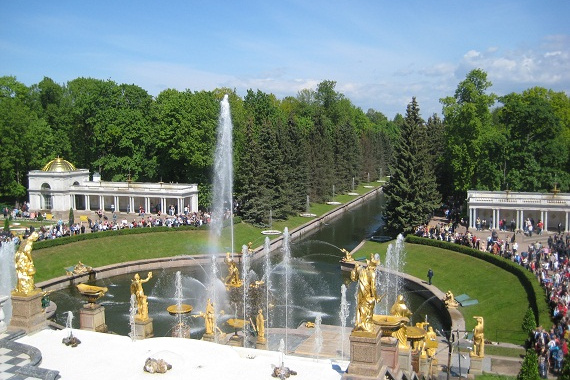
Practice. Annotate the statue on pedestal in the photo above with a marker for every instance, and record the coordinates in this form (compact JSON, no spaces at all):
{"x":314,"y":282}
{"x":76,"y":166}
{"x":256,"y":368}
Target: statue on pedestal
{"x":479,"y":338}
{"x":367,"y":295}
{"x":138,"y":291}
{"x":25,"y":269}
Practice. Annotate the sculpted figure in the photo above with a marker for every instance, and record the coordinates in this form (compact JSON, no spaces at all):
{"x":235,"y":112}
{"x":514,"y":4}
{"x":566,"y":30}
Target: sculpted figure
{"x":208,"y":317}
{"x":367,"y":295}
{"x":25,"y":269}
{"x":347,"y":255}
{"x":400,"y":309}
{"x":449,"y":300}
{"x":431,"y":342}
{"x":138,"y":291}
{"x":232,"y":278}
{"x":479,"y":338}
{"x":260,"y":325}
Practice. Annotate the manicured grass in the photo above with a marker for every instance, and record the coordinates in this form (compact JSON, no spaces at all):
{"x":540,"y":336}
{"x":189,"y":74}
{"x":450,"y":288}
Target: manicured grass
{"x":488,"y":376}
{"x":502,"y":298}
{"x":504,"y":351}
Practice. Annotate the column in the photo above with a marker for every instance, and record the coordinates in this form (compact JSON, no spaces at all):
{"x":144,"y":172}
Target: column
{"x":146,"y":204}
{"x":497,"y":218}
{"x":116,"y":202}
{"x":131,"y":206}
{"x":87,"y":203}
{"x":566,"y":223}
{"x":102,"y":202}
{"x":163,"y":205}
{"x":544,"y":215}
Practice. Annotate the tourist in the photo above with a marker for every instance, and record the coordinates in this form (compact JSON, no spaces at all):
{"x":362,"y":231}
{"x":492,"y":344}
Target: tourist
{"x":429,"y":275}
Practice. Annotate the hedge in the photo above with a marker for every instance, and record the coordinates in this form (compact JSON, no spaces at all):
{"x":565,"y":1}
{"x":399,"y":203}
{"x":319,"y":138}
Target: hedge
{"x":537,"y":299}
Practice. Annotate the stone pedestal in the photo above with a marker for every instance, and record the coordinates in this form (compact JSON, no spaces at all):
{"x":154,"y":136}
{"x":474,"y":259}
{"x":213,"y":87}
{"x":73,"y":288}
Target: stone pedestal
{"x":405,"y":359}
{"x":27,"y":312}
{"x":3,"y":326}
{"x":365,"y":355}
{"x":92,"y":318}
{"x":236,"y":341}
{"x":261,"y":344}
{"x":144,"y":329}
{"x":208,"y":337}
{"x":390,"y":351}
{"x":476,"y":365}
{"x":428,"y":367}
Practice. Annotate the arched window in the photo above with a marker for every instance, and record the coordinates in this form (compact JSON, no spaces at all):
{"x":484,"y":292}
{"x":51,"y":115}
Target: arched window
{"x":46,"y":196}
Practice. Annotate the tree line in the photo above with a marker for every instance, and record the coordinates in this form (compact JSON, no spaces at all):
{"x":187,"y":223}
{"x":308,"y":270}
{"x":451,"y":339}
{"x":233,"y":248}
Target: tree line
{"x":288,"y":149}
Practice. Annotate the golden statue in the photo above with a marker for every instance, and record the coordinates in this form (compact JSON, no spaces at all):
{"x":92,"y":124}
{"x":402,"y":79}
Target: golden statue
{"x":399,"y":309}
{"x":232,"y":279}
{"x":367,"y":296}
{"x":478,"y":338}
{"x":450,"y":301}
{"x":78,"y":268}
{"x":208,"y":317}
{"x":260,"y":325}
{"x":430,"y":344}
{"x":25,"y":269}
{"x":138,"y":291}
{"x":347,"y":256}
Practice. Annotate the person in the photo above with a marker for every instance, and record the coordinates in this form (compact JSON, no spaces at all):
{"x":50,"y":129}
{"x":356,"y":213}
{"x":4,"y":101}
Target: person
{"x":25,"y":269}
{"x":367,"y":296}
{"x":478,"y":338}
{"x":138,"y":291}
{"x":429,"y":275}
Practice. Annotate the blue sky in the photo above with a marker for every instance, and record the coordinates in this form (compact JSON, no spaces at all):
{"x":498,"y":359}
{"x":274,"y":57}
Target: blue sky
{"x":380,"y":53}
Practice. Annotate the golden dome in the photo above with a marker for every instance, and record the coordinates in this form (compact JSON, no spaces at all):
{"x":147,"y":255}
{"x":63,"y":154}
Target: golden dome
{"x":59,"y":165}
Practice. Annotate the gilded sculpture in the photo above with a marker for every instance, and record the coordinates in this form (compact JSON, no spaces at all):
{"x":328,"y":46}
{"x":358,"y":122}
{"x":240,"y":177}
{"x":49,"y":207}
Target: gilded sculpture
{"x":232,"y":279}
{"x":260,"y":326}
{"x":450,"y":301}
{"x":138,"y":291}
{"x":347,"y":255}
{"x":367,"y":295}
{"x":430,"y":344}
{"x":208,"y":316}
{"x":400,"y":309}
{"x":25,"y":269}
{"x":479,"y":338}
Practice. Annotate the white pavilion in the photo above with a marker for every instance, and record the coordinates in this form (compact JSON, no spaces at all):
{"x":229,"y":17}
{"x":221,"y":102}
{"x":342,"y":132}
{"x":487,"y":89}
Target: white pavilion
{"x":60,"y":186}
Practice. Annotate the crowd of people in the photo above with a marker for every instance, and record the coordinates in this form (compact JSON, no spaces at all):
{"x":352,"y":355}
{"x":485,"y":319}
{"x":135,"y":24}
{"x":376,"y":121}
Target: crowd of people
{"x":101,"y":223}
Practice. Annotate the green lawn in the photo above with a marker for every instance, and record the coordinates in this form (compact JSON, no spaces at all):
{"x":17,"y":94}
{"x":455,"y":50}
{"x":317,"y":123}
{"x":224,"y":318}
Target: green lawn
{"x":502,"y":299}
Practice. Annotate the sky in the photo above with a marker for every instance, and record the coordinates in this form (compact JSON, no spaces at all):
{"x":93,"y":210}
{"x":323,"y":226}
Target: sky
{"x":379,"y":53}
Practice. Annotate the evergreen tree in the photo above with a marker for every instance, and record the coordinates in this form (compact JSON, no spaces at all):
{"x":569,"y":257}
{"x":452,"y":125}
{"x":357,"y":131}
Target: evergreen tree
{"x":529,"y":367}
{"x":411,"y":194}
{"x":71,"y":217}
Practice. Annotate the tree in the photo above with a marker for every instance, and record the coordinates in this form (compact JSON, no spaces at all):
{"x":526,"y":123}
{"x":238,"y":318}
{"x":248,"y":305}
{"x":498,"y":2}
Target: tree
{"x":71,"y":217}
{"x":529,"y":367}
{"x":467,"y":116}
{"x":411,"y":194}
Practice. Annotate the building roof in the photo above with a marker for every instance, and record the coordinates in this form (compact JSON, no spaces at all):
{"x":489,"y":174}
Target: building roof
{"x":59,"y":165}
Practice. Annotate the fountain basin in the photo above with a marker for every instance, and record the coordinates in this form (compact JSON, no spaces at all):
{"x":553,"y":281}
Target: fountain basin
{"x":271,"y":232}
{"x":307,"y":215}
{"x":179,"y":309}
{"x":334,"y":203}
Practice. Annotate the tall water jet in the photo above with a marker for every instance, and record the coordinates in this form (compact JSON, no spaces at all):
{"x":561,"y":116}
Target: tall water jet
{"x":344,"y":312}
{"x":287,"y":267}
{"x":267,"y":277}
{"x":132,"y":314}
{"x":7,"y":276}
{"x":222,"y":189}
{"x":245,"y":279}
{"x":318,"y":336}
{"x":388,"y":280}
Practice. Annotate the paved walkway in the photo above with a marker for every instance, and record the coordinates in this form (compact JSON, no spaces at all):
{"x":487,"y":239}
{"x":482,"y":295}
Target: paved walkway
{"x":20,"y":361}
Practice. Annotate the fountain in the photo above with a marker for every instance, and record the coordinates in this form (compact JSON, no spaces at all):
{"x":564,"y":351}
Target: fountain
{"x":333,"y":202}
{"x":307,"y":213}
{"x":352,"y":192}
{"x":132,"y":314}
{"x":318,"y":336}
{"x":180,"y":330}
{"x":271,"y":231}
{"x":7,"y":277}
{"x":388,"y":278}
{"x":70,"y":340}
{"x":343,"y":314}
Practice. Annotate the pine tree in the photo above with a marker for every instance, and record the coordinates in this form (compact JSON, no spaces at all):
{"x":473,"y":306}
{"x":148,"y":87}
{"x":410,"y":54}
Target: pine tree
{"x":529,"y":367}
{"x":71,"y":217}
{"x":411,"y":194}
